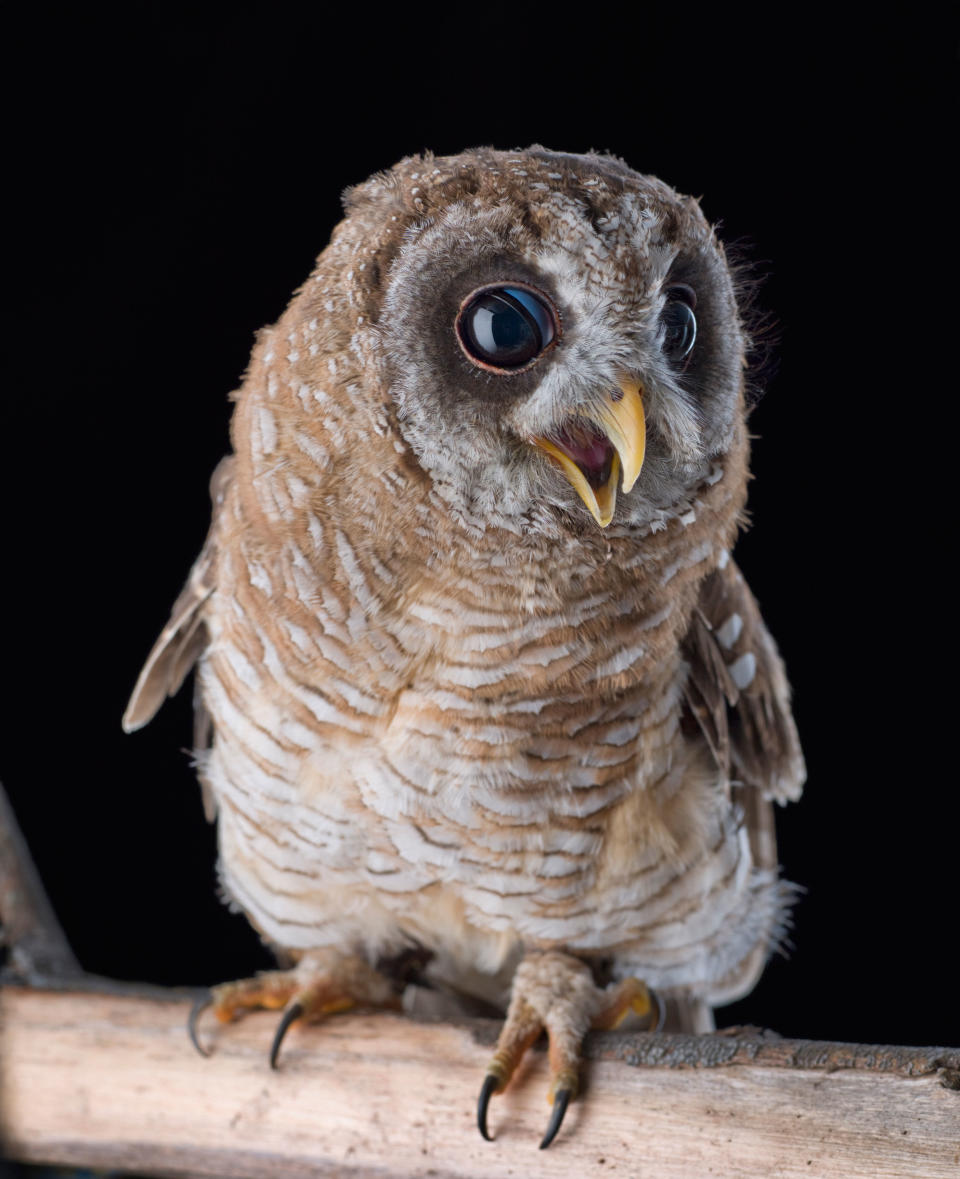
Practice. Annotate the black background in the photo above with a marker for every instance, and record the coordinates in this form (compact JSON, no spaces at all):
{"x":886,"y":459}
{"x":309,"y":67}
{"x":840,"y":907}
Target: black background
{"x":173,"y":183}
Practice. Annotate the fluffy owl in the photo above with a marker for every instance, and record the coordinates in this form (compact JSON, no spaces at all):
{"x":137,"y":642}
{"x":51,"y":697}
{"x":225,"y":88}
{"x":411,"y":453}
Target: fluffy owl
{"x":480,"y":686}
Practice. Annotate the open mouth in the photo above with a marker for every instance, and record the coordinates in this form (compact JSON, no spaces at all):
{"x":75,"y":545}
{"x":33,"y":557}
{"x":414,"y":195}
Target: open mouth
{"x":592,"y":450}
{"x":589,"y":447}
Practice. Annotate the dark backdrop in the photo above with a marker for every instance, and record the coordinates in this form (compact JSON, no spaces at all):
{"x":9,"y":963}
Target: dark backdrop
{"x":173,"y":182}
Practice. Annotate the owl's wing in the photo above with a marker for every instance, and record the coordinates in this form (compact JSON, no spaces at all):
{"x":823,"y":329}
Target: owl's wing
{"x":185,"y":635}
{"x":738,"y":691}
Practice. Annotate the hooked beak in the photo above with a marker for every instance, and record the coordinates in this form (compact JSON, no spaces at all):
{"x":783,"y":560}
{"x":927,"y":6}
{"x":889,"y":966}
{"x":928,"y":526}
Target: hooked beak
{"x":593,"y":448}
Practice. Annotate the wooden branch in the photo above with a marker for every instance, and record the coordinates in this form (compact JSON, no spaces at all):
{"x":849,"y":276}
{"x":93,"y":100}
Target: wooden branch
{"x":111,"y":1081}
{"x":37,"y":948}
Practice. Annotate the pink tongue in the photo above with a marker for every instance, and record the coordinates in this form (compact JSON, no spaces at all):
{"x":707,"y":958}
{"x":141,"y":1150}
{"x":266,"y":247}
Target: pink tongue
{"x":586,"y":447}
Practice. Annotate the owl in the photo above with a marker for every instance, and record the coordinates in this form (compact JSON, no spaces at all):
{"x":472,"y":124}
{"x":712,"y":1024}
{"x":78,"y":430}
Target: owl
{"x":483,"y":699}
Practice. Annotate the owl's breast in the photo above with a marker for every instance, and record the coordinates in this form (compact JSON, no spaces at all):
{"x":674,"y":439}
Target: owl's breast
{"x":431,"y":746}
{"x":490,"y":746}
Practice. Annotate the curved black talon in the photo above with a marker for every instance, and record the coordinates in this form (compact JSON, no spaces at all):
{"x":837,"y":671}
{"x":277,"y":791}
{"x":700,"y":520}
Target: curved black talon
{"x":200,"y":1005}
{"x":490,"y":1082}
{"x":291,"y":1015}
{"x":561,"y":1100}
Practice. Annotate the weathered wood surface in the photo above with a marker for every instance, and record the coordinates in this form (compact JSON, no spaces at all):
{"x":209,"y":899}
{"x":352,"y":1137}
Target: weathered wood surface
{"x":111,"y":1081}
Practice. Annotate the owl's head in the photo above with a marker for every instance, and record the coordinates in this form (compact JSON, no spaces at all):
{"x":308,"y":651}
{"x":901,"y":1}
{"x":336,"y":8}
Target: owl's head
{"x":559,"y":336}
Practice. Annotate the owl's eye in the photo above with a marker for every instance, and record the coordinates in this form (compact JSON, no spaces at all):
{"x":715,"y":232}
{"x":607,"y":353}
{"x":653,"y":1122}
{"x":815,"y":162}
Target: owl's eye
{"x":679,"y":322}
{"x":505,"y":327}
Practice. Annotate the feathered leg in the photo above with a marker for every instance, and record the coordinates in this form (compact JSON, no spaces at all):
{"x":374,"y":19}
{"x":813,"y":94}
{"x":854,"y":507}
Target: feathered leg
{"x":555,"y":992}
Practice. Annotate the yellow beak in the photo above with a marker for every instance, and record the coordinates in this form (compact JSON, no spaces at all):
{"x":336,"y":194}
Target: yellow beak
{"x":621,"y":420}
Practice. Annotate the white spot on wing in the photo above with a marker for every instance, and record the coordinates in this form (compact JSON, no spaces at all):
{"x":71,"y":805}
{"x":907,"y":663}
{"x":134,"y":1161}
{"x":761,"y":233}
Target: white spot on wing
{"x":743,"y":670}
{"x":731,"y":630}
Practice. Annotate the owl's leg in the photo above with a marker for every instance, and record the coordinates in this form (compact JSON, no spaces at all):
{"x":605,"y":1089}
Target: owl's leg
{"x":322,"y":983}
{"x":555,"y":992}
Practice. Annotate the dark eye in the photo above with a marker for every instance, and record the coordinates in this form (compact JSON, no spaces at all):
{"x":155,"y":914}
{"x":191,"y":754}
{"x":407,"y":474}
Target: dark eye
{"x":679,"y":322}
{"x":505,"y":327}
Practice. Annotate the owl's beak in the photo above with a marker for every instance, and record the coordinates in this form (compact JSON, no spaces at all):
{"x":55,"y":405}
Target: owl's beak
{"x":593,"y":448}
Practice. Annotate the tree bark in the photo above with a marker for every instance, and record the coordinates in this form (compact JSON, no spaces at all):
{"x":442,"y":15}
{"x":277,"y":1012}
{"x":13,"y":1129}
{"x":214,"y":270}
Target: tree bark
{"x":110,"y":1080}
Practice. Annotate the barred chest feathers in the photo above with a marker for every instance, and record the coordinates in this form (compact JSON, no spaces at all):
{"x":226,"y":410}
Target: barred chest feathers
{"x":420,"y":718}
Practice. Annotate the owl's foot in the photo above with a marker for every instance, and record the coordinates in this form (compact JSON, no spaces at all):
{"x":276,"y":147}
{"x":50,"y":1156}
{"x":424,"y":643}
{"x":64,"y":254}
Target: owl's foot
{"x":556,"y":992}
{"x":322,"y":983}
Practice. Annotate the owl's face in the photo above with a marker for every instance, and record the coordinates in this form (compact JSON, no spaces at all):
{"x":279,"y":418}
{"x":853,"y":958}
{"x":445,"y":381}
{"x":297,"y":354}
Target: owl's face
{"x":561,"y":341}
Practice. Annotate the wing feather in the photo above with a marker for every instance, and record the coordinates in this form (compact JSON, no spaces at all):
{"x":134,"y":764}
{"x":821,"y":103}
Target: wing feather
{"x":737,"y":689}
{"x":183,"y":639}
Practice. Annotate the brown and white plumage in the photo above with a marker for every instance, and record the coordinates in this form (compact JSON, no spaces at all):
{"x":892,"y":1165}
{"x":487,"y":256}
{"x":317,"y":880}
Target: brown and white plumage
{"x":446,"y":706}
